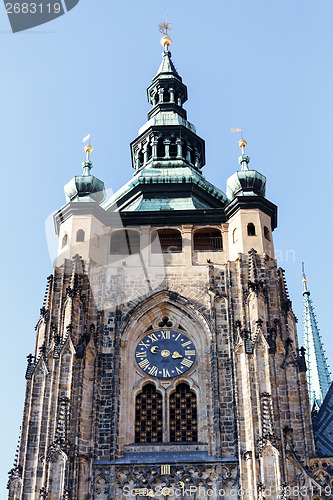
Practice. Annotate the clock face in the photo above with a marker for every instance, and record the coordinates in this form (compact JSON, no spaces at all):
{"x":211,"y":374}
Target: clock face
{"x":165,"y":353}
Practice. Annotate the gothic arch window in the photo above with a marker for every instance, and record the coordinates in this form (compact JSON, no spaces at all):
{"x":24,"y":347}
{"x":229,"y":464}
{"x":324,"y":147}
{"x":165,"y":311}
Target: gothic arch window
{"x":166,"y":240}
{"x":64,"y":240}
{"x":183,"y":415}
{"x":266,"y":233}
{"x":208,"y":239}
{"x":80,"y":235}
{"x":251,"y":230}
{"x":148,"y":416}
{"x":235,"y":235}
{"x":125,"y":242}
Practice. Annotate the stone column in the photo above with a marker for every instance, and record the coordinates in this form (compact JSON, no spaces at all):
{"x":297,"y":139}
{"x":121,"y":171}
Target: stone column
{"x":188,"y":152}
{"x":187,"y":243}
{"x":166,"y":143}
{"x":196,"y":158}
{"x":145,"y":245}
{"x":179,"y":143}
{"x":172,"y":95}
{"x":161,"y":92}
{"x":225,"y":236}
{"x":154,"y":147}
{"x":145,"y":153}
{"x":137,"y":160}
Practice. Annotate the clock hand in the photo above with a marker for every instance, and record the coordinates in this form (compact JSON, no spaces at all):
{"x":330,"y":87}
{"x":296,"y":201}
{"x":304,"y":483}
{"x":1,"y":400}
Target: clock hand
{"x":176,"y":355}
{"x":154,"y":349}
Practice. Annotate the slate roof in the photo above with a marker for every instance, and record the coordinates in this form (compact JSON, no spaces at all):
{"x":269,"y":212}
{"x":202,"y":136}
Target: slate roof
{"x":323,"y":426}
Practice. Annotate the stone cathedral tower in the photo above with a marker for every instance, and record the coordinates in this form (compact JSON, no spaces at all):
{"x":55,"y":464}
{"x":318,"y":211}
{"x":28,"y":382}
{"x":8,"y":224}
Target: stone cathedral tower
{"x":166,"y":361}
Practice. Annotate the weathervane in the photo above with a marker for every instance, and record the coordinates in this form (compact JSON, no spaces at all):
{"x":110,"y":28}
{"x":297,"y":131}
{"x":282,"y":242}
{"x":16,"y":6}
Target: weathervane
{"x":236,"y":130}
{"x":165,"y":27}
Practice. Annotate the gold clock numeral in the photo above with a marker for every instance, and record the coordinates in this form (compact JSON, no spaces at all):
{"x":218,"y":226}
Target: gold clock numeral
{"x":144,"y":364}
{"x":190,"y":352}
{"x":187,"y":362}
{"x":165,"y":469}
{"x":178,"y":370}
{"x":143,"y":344}
{"x":166,"y":373}
{"x":165,"y":335}
{"x":141,"y":354}
{"x":177,"y":337}
{"x":153,"y":337}
{"x":186,"y":343}
{"x":153,"y":371}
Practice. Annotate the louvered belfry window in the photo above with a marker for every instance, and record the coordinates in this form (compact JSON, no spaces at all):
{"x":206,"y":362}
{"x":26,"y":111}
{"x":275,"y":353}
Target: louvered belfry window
{"x":148,"y":415}
{"x":183,"y":415}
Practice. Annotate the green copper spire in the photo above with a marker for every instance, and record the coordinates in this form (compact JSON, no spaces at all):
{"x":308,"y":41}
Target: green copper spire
{"x":85,"y":187}
{"x":318,"y":375}
{"x":167,"y":155}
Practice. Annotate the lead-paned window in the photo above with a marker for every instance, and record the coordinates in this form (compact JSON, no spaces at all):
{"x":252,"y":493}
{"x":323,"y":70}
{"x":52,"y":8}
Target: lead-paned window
{"x":148,"y":416}
{"x":183,"y":415}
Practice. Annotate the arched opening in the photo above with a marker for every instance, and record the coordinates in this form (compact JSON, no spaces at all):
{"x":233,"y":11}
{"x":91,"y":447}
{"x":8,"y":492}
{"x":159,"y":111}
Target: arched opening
{"x":125,"y":242}
{"x":148,"y":416}
{"x":251,"y":230}
{"x":166,"y":240}
{"x":235,"y":235}
{"x":140,"y":159}
{"x":192,"y":156}
{"x":80,"y":235}
{"x":267,"y":233}
{"x":183,"y":415}
{"x":208,"y":240}
{"x":173,"y":148}
{"x":160,"y":148}
{"x":149,"y":151}
{"x":64,"y":240}
{"x":166,"y":95}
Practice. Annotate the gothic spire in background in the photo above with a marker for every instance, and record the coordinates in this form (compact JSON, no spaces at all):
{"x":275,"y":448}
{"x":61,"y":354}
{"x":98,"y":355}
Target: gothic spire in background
{"x":318,"y":375}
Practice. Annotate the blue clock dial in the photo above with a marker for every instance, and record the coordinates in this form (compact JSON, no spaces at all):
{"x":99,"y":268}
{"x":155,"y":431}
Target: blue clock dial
{"x":165,"y":353}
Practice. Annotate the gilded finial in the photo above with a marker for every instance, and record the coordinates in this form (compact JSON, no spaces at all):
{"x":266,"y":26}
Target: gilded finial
{"x":244,"y":160}
{"x":88,"y":149}
{"x":87,"y":165}
{"x":166,"y":41}
{"x":304,"y":280}
{"x":242,"y":143}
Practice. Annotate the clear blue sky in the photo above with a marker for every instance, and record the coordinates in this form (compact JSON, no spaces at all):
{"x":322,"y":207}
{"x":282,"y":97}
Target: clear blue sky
{"x":265,"y":66}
